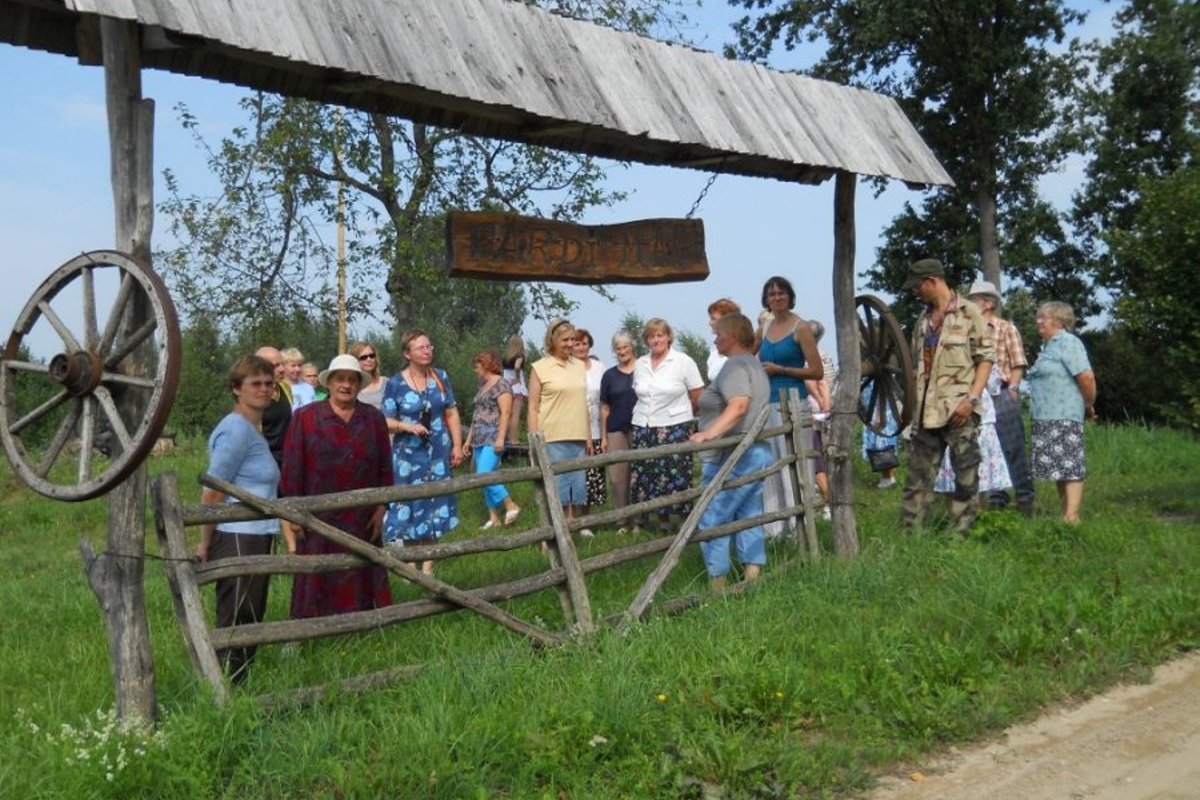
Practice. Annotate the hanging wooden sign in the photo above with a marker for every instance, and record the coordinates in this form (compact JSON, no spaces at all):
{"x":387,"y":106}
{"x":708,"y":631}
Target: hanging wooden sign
{"x":512,"y":247}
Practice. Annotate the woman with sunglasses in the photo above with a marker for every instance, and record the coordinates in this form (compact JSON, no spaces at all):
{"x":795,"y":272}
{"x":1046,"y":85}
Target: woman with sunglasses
{"x":422,"y":417}
{"x":368,"y":360}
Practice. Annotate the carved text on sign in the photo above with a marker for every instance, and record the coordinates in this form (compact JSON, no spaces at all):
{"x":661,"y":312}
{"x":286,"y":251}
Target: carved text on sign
{"x":512,"y":247}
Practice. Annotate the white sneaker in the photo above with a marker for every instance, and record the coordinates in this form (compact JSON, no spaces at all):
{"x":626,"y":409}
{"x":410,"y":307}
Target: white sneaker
{"x":886,"y":483}
{"x":586,"y":533}
{"x":825,"y":513}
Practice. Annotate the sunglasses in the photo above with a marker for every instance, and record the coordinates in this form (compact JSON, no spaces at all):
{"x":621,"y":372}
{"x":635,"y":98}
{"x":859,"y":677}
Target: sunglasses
{"x":365,"y":356}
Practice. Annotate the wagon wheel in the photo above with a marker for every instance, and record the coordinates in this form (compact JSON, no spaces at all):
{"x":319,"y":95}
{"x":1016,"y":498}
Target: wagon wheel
{"x":888,"y":382}
{"x":90,"y":401}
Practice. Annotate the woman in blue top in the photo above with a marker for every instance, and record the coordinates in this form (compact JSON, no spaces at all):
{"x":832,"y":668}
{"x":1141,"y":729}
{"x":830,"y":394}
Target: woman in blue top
{"x":1063,"y":391}
{"x":426,"y":444}
{"x":788,"y":351}
{"x":238,"y":454}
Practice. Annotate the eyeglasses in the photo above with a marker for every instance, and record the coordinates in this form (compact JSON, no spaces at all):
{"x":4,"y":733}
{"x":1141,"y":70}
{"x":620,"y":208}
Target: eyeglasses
{"x":258,"y":384}
{"x":365,"y":356}
{"x":421,"y":348}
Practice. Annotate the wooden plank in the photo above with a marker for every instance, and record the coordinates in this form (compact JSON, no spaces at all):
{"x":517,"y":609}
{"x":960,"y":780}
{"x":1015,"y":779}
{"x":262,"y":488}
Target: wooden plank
{"x":659,"y":576}
{"x":803,"y":471}
{"x":513,"y":247}
{"x":383,"y":558}
{"x":311,"y":695}
{"x":563,"y":546}
{"x":181,"y":578}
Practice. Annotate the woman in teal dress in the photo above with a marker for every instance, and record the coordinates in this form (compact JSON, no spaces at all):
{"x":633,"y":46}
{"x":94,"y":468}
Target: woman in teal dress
{"x":426,"y":444}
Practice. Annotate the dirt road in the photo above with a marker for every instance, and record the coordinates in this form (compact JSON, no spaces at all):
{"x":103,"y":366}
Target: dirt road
{"x":1133,"y":743}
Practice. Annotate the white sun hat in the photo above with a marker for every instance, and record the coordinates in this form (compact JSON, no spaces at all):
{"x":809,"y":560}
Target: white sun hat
{"x":344,"y":362}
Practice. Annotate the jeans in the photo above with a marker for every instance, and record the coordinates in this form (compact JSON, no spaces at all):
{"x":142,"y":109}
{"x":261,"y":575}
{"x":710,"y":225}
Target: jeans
{"x":730,"y":505}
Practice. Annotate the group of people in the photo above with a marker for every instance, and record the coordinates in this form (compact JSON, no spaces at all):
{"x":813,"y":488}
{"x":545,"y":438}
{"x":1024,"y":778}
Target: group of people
{"x":661,"y":398}
{"x":967,"y":435}
{"x":358,"y":429}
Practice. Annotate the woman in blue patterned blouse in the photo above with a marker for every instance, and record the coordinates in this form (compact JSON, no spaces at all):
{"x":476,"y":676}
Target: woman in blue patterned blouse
{"x":1063,"y":390}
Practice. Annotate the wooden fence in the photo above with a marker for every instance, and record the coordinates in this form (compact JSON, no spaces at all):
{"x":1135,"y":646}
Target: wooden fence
{"x":565,"y":574}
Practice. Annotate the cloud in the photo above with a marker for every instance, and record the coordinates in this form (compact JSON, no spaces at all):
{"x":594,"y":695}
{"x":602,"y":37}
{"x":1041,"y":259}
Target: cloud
{"x":80,"y":111}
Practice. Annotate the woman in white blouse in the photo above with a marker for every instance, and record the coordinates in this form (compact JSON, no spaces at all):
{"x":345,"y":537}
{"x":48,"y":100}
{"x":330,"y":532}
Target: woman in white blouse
{"x":667,"y":383}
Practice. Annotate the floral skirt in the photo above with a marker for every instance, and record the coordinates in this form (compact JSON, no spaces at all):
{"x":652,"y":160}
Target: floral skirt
{"x":597,"y":484}
{"x":1058,"y":450}
{"x":660,"y":476}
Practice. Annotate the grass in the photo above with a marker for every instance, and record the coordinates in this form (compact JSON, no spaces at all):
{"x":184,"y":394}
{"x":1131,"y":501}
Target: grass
{"x":808,"y":686}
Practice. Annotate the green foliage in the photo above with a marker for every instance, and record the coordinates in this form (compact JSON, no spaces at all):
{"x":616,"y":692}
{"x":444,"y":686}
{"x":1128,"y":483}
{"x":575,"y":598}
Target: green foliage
{"x":808,"y":686}
{"x":979,"y":83}
{"x":1161,"y":303}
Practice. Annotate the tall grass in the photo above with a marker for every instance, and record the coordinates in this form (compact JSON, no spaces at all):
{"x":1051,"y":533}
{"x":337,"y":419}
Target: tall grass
{"x":806,"y":686}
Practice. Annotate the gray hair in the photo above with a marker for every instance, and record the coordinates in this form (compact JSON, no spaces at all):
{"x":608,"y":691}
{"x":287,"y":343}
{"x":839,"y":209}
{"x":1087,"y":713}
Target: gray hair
{"x":623,"y":337}
{"x":1060,"y":312}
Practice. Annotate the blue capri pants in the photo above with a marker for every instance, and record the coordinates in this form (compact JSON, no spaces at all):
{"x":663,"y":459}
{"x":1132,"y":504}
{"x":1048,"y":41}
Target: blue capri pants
{"x":730,"y":505}
{"x":486,"y":460}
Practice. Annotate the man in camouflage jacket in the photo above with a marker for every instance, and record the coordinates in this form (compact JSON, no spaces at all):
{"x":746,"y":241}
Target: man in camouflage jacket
{"x":953,"y":351}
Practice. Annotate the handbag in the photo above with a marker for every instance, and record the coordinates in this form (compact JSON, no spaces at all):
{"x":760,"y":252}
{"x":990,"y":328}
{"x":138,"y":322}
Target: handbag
{"x":883,"y":459}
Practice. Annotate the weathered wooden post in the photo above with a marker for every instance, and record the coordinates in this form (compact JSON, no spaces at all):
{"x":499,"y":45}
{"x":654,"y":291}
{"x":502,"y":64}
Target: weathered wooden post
{"x":839,"y":449}
{"x":116,"y":577}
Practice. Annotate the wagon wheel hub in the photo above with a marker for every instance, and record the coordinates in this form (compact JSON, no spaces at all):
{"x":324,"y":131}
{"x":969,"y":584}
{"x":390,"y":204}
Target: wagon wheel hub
{"x":78,"y":373}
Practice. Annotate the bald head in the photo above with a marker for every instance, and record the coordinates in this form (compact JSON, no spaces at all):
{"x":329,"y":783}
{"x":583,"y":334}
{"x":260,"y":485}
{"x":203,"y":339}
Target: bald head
{"x":275,"y":357}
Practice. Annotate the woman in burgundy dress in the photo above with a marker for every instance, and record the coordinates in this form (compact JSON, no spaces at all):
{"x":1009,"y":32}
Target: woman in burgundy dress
{"x":334,"y":446}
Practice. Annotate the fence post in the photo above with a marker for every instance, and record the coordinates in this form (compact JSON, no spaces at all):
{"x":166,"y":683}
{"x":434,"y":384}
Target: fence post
{"x":185,"y":592}
{"x":563,"y":548}
{"x":799,"y":445}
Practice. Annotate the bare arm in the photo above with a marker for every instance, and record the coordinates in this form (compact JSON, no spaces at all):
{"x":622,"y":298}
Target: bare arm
{"x":604,"y":412}
{"x":1086,"y":381}
{"x":734,"y":411}
{"x":535,"y":403}
{"x":813,"y":368}
{"x":505,"y":402}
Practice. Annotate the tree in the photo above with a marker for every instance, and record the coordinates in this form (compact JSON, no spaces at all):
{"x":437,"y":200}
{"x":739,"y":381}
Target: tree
{"x":1161,"y":302}
{"x":979,"y":83}
{"x":1138,"y":116}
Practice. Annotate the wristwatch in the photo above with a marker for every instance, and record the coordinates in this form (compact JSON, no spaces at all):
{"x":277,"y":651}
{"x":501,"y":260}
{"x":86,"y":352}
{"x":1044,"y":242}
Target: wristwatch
{"x":974,"y":398}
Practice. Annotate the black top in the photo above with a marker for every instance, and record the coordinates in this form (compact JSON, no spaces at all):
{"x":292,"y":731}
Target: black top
{"x":616,"y":389}
{"x":275,"y":421}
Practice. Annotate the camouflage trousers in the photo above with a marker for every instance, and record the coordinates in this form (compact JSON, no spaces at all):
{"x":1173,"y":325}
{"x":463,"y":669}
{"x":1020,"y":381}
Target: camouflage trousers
{"x":925,"y":459}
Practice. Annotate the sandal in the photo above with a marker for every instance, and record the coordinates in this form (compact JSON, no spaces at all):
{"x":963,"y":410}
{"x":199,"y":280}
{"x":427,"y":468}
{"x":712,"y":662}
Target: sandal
{"x":511,"y":516}
{"x":491,"y":523}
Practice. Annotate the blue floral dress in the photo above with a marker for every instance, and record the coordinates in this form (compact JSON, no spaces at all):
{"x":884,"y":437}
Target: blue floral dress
{"x":417,"y":459}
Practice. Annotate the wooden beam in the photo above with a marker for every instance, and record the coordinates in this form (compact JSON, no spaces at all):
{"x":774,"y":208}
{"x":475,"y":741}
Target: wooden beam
{"x":840,"y":448}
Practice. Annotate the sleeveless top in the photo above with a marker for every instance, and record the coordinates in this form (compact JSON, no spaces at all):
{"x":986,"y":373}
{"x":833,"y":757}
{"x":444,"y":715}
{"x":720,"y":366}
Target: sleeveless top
{"x":786,"y":353}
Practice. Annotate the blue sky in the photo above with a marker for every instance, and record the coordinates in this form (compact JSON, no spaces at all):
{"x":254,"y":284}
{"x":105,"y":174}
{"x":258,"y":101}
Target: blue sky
{"x":55,"y":195}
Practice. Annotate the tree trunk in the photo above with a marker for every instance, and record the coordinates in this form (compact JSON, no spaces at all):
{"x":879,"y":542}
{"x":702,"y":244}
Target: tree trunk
{"x":989,"y":242}
{"x":117,"y":576}
{"x":839,"y":447}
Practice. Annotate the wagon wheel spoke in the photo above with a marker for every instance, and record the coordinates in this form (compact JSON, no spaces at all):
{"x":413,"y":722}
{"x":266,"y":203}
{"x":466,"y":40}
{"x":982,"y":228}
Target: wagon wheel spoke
{"x":105,"y":399}
{"x":130,"y":343}
{"x":39,"y":412}
{"x":26,"y":366}
{"x":91,"y":334}
{"x":128,"y":380}
{"x":60,"y":440}
{"x":64,"y":332}
{"x":116,"y":314}
{"x":87,"y":438}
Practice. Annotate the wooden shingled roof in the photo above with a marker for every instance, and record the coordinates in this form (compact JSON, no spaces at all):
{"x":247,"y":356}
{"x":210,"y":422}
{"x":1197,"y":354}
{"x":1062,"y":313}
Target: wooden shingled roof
{"x":503,"y":69}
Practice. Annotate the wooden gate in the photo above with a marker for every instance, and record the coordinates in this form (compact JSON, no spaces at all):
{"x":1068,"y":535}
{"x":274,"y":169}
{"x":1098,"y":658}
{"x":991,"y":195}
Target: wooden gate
{"x":565,"y":574}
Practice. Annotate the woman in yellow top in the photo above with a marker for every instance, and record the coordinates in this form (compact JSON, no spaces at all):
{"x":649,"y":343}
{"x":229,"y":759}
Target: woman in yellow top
{"x":558,"y":410}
